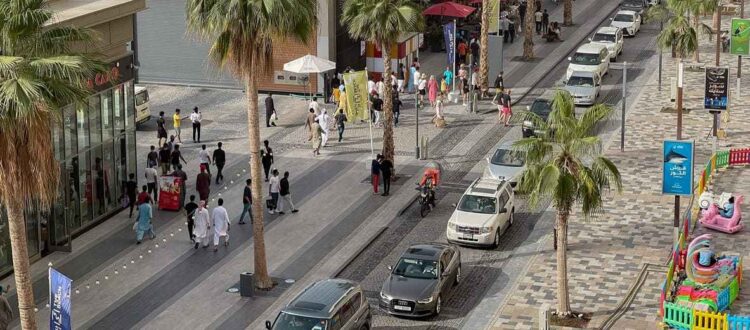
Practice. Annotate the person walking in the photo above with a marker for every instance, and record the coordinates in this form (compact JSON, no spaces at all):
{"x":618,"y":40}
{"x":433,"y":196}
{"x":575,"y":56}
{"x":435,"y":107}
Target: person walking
{"x":203,"y":185}
{"x":504,"y":102}
{"x":315,"y":105}
{"x":545,"y":22}
{"x":375,"y":171}
{"x":202,"y":225}
{"x":143,"y":197}
{"x":499,"y":85}
{"x":432,"y":90}
{"x":538,"y":15}
{"x":522,"y":14}
{"x":343,"y":102}
{"x":176,"y":124}
{"x":247,"y":202}
{"x":386,"y":167}
{"x":143,"y":225}
{"x":316,"y":137}
{"x":324,"y":120}
{"x":161,"y":129}
{"x":286,"y":196}
{"x":308,"y":123}
{"x":221,"y":224}
{"x":152,"y":159}
{"x":274,"y":186}
{"x":422,"y":87}
{"x":400,"y":76}
{"x":219,"y":159}
{"x":196,"y":118}
{"x":176,"y":156}
{"x":190,"y":209}
{"x":505,"y":27}
{"x":266,"y":158}
{"x":131,"y":190}
{"x":152,"y":177}
{"x":448,"y":76}
{"x":396,"y":109}
{"x":179,"y":173}
{"x":474,"y":45}
{"x":462,"y":48}
{"x":270,"y":109}
{"x":414,"y":78}
{"x":438,"y":119}
{"x":340,"y":119}
{"x":204,"y":159}
{"x":377,"y":109}
{"x":511,"y":28}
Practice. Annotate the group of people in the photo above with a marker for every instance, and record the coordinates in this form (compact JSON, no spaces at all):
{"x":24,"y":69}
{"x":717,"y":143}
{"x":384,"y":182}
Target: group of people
{"x":381,"y":167}
{"x":199,"y":221}
{"x":502,"y":101}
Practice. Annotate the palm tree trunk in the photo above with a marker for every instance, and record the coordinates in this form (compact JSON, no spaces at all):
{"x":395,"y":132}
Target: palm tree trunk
{"x":484,"y":69}
{"x":24,"y":290}
{"x":717,"y":33}
{"x":696,"y":53}
{"x":262,"y":281}
{"x":568,"y":13}
{"x":528,"y":31}
{"x":563,"y":301}
{"x":388,"y":148}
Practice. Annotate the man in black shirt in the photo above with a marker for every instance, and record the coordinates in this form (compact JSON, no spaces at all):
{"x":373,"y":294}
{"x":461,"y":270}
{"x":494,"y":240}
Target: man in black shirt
{"x":474,"y":51}
{"x":219,"y":158}
{"x":396,"y":108}
{"x":178,"y":172}
{"x":270,"y":108}
{"x":190,"y":212}
{"x":285,"y":195}
{"x":176,"y":156}
{"x":164,"y":159}
{"x":375,"y":171}
{"x":247,"y":202}
{"x":131,"y":189}
{"x":152,"y":159}
{"x":377,"y":107}
{"x":386,"y":167}
{"x":266,"y":157}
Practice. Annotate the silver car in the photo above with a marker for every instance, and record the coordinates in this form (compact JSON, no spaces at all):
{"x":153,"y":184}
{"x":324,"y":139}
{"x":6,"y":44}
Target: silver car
{"x":505,"y":164}
{"x":420,"y":280}
{"x":584,"y":86}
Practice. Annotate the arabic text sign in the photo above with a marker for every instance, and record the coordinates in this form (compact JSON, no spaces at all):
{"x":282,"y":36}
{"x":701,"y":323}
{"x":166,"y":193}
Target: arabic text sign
{"x":717,"y":88}
{"x":59,"y":300}
{"x":739,"y":40}
{"x":677,"y":168}
{"x":356,"y":95}
{"x":450,"y":42}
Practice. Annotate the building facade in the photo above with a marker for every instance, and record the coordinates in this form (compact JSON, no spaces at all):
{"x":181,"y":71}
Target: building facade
{"x":94,"y":144}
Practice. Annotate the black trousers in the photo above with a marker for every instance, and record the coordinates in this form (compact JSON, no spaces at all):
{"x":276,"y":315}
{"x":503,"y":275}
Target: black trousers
{"x":132,"y":204}
{"x":538,"y":27}
{"x":268,"y":119}
{"x":266,"y":169}
{"x":190,"y":223}
{"x":387,"y":184}
{"x":152,"y":190}
{"x":197,"y":129}
{"x":219,"y":168}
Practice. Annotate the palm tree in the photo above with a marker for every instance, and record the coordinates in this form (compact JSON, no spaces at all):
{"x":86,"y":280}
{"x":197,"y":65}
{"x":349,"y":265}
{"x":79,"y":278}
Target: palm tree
{"x":242,"y":33}
{"x":484,"y":68}
{"x":679,"y":36}
{"x":568,"y":12}
{"x":528,"y":31}
{"x":382,"y":22}
{"x":565,"y":166}
{"x":39,"y":74}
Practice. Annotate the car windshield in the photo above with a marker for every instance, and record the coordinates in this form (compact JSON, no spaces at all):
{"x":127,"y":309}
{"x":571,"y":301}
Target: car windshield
{"x":542,"y":108}
{"x":477,"y":204}
{"x":141,"y":98}
{"x":586,"y":59}
{"x":287,"y":321}
{"x":633,"y":3}
{"x":505,"y":157}
{"x":624,"y":18}
{"x":416,"y":268}
{"x":603,"y":37}
{"x":581,"y":81}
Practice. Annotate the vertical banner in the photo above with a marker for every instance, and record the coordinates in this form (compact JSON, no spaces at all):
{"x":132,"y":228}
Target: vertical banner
{"x":717,"y":88}
{"x":739,"y":40}
{"x":494,"y":16}
{"x":450,"y":44}
{"x":355,"y":84}
{"x":59,"y":300}
{"x":677,"y":169}
{"x":169,"y":193}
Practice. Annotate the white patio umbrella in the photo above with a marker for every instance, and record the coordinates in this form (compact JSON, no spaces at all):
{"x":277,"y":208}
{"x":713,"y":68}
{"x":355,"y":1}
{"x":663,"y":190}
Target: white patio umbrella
{"x":309,"y":64}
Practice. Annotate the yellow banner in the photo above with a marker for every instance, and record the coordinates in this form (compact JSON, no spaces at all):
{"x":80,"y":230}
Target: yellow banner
{"x":355,"y":85}
{"x":494,"y":14}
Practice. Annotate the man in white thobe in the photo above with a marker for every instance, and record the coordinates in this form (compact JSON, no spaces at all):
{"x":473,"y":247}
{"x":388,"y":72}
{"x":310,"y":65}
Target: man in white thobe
{"x":324,"y":119}
{"x":314,"y":105}
{"x":202,"y":225}
{"x":221,"y":224}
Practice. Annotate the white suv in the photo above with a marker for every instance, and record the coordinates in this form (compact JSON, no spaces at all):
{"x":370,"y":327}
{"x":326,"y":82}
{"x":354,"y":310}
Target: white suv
{"x":589,"y":58}
{"x":484,"y":212}
{"x":627,"y":20}
{"x":610,"y":37}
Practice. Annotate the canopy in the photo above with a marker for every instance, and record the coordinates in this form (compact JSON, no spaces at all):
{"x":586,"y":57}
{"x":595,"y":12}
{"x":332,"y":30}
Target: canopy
{"x":309,"y":64}
{"x":450,"y":9}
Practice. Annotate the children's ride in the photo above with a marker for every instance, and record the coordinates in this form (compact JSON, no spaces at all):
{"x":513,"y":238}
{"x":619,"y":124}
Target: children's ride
{"x":713,"y":219}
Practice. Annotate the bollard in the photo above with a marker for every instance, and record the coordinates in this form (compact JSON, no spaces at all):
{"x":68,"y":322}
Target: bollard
{"x":544,"y":317}
{"x":426,"y":147}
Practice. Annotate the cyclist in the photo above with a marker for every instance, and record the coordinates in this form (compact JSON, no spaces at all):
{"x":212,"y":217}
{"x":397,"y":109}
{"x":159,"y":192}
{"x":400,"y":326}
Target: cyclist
{"x":430,"y":181}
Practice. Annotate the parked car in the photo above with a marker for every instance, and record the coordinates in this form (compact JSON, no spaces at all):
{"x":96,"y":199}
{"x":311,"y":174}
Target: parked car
{"x":610,"y":37}
{"x":637,"y":6}
{"x":505,"y":164}
{"x":421,"y":280}
{"x":589,"y":57}
{"x":542,"y":106}
{"x":324,"y":305}
{"x":484,"y":212}
{"x":627,"y":20}
{"x":584,"y":87}
{"x":142,"y":108}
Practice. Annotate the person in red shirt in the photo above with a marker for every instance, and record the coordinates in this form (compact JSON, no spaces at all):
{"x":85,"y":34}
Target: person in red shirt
{"x":462,"y":51}
{"x":144,"y":196}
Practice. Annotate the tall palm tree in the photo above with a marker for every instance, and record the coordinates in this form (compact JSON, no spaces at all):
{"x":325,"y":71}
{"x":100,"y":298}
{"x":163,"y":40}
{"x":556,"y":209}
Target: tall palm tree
{"x":382,"y":22}
{"x":528,"y":30}
{"x":568,"y":12}
{"x":679,"y":36}
{"x":484,"y":68}
{"x":565,"y":165}
{"x":242,"y":35}
{"x":39,"y":74}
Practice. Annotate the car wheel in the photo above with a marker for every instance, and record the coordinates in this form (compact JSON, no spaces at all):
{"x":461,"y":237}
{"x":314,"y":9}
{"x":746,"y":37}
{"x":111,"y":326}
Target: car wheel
{"x":437,"y":305}
{"x":458,"y":276}
{"x":496,"y":241}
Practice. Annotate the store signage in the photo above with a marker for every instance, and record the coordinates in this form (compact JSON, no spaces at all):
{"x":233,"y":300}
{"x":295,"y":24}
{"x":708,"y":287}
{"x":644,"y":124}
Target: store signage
{"x":717,"y":88}
{"x":59,"y":300}
{"x":677,"y":168}
{"x":449,"y":31}
{"x":116,"y":72}
{"x":739,"y":40}
{"x":170,"y":189}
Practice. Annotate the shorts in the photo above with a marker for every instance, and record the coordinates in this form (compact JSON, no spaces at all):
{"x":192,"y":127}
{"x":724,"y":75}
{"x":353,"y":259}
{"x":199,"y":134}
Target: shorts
{"x":506,"y":111}
{"x":422,"y":92}
{"x":161,"y":133}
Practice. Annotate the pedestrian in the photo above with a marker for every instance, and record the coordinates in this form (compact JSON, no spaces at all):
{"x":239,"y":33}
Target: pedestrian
{"x":308,"y":123}
{"x":499,"y":85}
{"x":143,"y":225}
{"x":474,"y":45}
{"x":219,"y":159}
{"x":152,"y":159}
{"x":371,"y":86}
{"x":394,"y":82}
{"x":416,"y":75}
{"x":316,"y":137}
{"x":511,"y":28}
{"x":545,"y":22}
{"x":340,"y":119}
{"x":422,"y":87}
{"x":538,"y":15}
{"x":131,"y":189}
{"x":377,"y":109}
{"x":221,"y":224}
{"x":462,"y":50}
{"x":432,"y":90}
{"x":343,"y":103}
{"x":274,"y":186}
{"x":400,"y":74}
{"x":386,"y":167}
{"x":266,"y":158}
{"x":161,"y":130}
{"x":152,"y":177}
{"x":204,"y":159}
{"x":179,"y":173}
{"x":270,"y":109}
{"x":505,"y":107}
{"x":176,"y":123}
{"x":475,"y":79}
{"x":464,"y":83}
{"x":196,"y":118}
{"x":415,"y":62}
{"x":324,"y":120}
{"x":190,"y":209}
{"x":522,"y":13}
{"x":438,"y":118}
{"x":396,"y":109}
{"x":380,"y":88}
{"x":448,"y":76}
{"x":202,"y":225}
{"x":285,"y":195}
{"x":375,"y":171}
{"x":247,"y":202}
{"x":505,"y":27}
{"x":176,"y":156}
{"x":203,"y":184}
{"x":336,"y":95}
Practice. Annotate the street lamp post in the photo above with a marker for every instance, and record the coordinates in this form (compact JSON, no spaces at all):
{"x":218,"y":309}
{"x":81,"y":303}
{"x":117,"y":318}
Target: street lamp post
{"x":416,"y":103}
{"x":679,"y":137}
{"x":624,"y":99}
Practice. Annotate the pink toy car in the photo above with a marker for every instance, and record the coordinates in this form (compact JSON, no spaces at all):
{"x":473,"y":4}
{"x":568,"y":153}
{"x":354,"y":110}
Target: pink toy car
{"x":713,"y":220}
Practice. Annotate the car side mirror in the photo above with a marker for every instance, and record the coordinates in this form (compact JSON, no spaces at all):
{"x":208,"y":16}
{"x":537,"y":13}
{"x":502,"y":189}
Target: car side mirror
{"x":611,"y":18}
{"x":513,"y":184}
{"x":528,"y":108}
{"x":268,"y":324}
{"x":605,"y":60}
{"x":590,"y":39}
{"x":390,"y":267}
{"x":487,"y":159}
{"x":504,"y":210}
{"x":570,"y":58}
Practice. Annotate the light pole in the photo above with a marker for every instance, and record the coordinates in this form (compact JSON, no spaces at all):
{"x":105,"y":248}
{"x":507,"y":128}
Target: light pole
{"x":624,"y":101}
{"x":679,"y":137}
{"x":416,"y":103}
{"x":661,"y":27}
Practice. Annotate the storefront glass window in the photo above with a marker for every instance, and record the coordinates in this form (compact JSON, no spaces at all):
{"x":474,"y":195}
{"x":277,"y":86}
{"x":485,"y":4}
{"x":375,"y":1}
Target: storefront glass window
{"x":107,"y":124}
{"x":95,"y":124}
{"x":97,"y":174}
{"x":86,"y":186}
{"x":33,"y":218}
{"x":73,"y":189}
{"x":132,"y":162}
{"x":108,"y":175}
{"x":119,"y":108}
{"x":83,"y":127}
{"x":70,"y":136}
{"x":129,"y":105}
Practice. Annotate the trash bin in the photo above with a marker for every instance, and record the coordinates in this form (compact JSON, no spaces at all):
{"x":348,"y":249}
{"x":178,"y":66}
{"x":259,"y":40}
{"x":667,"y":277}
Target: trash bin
{"x":247,"y":284}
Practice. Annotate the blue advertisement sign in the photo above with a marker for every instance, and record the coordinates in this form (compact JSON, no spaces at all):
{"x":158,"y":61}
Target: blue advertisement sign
{"x":677,"y":171}
{"x":449,"y":32}
{"x":59,"y":300}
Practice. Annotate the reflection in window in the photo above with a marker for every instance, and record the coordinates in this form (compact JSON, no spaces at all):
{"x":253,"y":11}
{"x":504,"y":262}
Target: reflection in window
{"x":95,"y":124}
{"x":107,"y":125}
{"x":70,"y":136}
{"x":129,"y":106}
{"x":83,"y":127}
{"x":119,"y":109}
{"x":86,"y":189}
{"x":107,"y":169}
{"x":97,"y":174}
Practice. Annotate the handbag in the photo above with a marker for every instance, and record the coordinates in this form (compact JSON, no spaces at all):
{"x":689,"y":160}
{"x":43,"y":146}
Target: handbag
{"x":135,"y":226}
{"x":124,"y":201}
{"x":270,"y":204}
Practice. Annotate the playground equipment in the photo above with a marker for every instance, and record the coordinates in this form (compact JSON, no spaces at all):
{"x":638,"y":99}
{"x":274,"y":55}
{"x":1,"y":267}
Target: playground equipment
{"x":712,"y":218}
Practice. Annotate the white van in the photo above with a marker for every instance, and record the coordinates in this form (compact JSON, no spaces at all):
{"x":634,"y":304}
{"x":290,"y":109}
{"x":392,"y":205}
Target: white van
{"x":142,"y":109}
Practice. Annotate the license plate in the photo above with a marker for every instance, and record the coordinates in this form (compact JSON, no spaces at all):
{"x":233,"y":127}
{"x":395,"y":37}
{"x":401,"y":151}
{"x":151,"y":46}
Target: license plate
{"x":468,"y":236}
{"x":402,"y":308}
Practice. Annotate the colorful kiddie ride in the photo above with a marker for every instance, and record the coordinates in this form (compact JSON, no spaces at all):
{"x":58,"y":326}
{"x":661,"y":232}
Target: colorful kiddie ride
{"x":714,"y":217}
